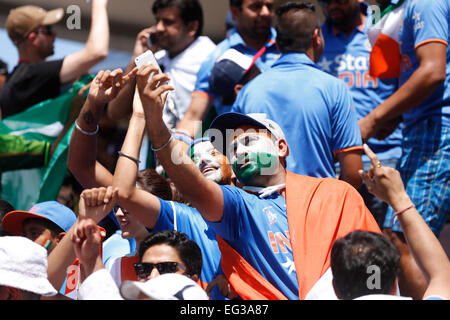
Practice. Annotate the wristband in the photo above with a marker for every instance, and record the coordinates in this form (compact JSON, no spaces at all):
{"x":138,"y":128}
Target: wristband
{"x":164,"y":145}
{"x":396,"y":213}
{"x":93,"y":133}
{"x":137,"y":161}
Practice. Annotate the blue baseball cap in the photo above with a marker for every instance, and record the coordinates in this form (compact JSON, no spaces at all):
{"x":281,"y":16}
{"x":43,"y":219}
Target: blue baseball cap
{"x":53,"y":211}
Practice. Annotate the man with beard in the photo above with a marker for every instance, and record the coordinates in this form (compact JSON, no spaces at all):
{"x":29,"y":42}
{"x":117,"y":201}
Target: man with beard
{"x":179,"y":47}
{"x":34,"y":79}
{"x":254,"y":37}
{"x":346,"y":56}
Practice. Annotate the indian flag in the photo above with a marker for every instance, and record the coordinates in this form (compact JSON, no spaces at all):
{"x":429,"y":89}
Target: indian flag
{"x":44,"y":122}
{"x":383,"y":34}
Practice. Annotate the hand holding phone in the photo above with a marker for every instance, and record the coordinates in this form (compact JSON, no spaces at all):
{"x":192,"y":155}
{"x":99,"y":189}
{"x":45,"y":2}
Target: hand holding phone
{"x":145,"y":58}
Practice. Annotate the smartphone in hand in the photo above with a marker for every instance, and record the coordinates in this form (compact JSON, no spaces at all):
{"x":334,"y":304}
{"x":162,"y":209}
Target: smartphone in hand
{"x":145,"y":58}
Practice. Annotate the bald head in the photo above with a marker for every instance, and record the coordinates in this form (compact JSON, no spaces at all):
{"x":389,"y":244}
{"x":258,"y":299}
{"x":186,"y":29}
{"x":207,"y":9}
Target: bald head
{"x":295,"y":24}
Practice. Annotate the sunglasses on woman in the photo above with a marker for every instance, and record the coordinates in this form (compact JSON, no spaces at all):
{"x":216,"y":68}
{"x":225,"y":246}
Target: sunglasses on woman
{"x":144,"y":269}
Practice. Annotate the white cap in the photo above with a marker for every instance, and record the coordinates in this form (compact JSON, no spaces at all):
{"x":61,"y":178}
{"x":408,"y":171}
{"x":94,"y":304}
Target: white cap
{"x":23,"y":265}
{"x":169,"y":286}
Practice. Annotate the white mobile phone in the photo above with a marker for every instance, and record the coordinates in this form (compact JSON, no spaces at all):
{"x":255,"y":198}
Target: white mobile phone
{"x":145,"y":58}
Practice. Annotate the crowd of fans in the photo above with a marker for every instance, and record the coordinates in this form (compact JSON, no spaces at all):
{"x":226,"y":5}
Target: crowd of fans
{"x":292,"y":160}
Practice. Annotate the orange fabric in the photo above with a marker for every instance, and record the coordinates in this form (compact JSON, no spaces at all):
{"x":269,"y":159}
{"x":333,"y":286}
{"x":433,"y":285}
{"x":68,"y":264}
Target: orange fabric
{"x":385,"y":58}
{"x":326,"y":209}
{"x":126,"y":268}
{"x":246,"y":281}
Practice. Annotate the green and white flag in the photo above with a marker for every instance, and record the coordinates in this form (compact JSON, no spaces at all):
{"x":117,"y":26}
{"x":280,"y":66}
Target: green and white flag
{"x":44,"y":122}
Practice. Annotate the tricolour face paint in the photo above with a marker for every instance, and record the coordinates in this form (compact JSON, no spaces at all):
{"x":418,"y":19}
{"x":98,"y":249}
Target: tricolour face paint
{"x":212,"y":164}
{"x":253,"y":155}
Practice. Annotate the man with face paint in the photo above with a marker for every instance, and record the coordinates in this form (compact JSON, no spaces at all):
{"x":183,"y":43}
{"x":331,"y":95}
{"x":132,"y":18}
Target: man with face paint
{"x":265,"y":255}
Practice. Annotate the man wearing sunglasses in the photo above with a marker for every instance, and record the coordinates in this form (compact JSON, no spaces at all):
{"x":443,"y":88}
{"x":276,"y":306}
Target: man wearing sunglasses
{"x":34,"y":79}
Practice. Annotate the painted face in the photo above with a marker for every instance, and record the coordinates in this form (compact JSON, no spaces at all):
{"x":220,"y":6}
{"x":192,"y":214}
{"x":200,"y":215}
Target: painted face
{"x":211,"y":163}
{"x":253,"y":154}
{"x":37,"y":232}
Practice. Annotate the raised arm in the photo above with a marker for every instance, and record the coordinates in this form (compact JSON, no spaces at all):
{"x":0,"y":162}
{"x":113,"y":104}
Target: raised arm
{"x":430,"y":74}
{"x":82,"y":159}
{"x":140,"y":203}
{"x":204,"y":194}
{"x":96,"y":48}
{"x":386,"y":184}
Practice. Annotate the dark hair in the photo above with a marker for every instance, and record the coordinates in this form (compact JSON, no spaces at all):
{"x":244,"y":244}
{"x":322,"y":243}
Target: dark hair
{"x":236,"y":3}
{"x":3,"y":68}
{"x":5,"y":207}
{"x":53,"y":227}
{"x":190,"y":11}
{"x":154,"y":183}
{"x":351,"y":261}
{"x":188,"y":250}
{"x":294,"y":32}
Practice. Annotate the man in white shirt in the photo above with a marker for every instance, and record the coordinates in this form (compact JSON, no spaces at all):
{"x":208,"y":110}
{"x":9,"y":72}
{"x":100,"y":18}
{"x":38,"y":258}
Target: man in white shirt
{"x":179,"y":49}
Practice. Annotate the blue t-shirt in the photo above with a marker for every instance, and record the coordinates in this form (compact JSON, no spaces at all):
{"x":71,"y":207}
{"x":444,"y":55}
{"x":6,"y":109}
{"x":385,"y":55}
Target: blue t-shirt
{"x":234,"y":41}
{"x":347,"y":57}
{"x":312,"y":108}
{"x":178,"y":216}
{"x":426,"y":21}
{"x":258,"y":230}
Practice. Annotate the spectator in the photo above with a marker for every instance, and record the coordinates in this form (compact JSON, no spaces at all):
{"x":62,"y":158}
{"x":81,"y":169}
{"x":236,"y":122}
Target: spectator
{"x":256,"y":264}
{"x":317,"y":115}
{"x":23,"y":270}
{"x":346,"y":56}
{"x":423,"y":101}
{"x":46,"y":223}
{"x":353,"y":256}
{"x":179,"y":48}
{"x":254,"y":37}
{"x":182,"y":252}
{"x":34,"y":79}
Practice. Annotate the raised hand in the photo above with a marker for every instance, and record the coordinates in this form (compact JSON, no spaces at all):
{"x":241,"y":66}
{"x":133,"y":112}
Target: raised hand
{"x":153,"y":92}
{"x":107,"y":85}
{"x":96,"y":203}
{"x":384,"y":182}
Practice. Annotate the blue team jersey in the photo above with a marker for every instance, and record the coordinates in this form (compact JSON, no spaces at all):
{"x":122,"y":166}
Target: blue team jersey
{"x":178,"y":216}
{"x":426,"y":21}
{"x":347,"y":57}
{"x":258,"y":230}
{"x":234,"y":41}
{"x":312,"y":108}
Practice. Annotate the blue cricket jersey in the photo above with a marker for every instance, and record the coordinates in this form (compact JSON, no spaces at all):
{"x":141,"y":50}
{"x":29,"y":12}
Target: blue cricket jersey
{"x":347,"y":57}
{"x":312,"y":108}
{"x":426,"y":21}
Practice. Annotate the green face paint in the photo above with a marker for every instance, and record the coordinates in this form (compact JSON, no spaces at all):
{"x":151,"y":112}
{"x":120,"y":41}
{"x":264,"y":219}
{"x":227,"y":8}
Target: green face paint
{"x":257,"y":163}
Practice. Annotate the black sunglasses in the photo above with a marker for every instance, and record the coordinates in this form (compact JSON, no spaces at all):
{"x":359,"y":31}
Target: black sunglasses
{"x":143,"y":269}
{"x":48,"y":30}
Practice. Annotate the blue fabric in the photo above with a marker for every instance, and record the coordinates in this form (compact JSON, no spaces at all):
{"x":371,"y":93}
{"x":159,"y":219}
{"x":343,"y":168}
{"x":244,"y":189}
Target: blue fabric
{"x":234,"y":41}
{"x":425,"y":170}
{"x":347,"y":57}
{"x":426,"y":20}
{"x":312,"y":108}
{"x":191,"y":222}
{"x":258,"y":230}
